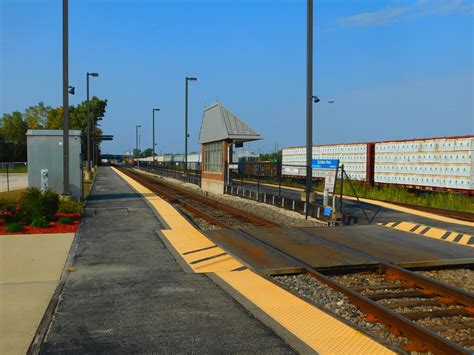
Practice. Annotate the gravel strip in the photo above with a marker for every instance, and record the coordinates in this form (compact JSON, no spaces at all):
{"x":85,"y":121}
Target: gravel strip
{"x":462,"y":278}
{"x":456,"y":335}
{"x":272,"y":213}
{"x":326,"y":297}
{"x":202,"y":224}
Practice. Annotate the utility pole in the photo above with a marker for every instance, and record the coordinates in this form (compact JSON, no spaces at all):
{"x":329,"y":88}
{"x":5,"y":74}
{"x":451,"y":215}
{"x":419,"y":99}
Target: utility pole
{"x":309,"y":101}
{"x":186,"y":135}
{"x":66,"y":191}
{"x":89,"y":165}
{"x":137,"y":144}
{"x":153,"y":146}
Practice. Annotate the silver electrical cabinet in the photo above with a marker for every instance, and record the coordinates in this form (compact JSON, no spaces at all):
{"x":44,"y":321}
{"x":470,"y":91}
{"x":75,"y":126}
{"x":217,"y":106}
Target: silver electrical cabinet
{"x":45,"y":160}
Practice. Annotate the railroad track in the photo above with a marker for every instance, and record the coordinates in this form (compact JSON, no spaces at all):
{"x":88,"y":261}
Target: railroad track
{"x":210,"y":210}
{"x":393,"y":300}
{"x":392,"y":296}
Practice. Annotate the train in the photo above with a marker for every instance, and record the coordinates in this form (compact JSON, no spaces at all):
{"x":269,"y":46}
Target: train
{"x":442,"y":163}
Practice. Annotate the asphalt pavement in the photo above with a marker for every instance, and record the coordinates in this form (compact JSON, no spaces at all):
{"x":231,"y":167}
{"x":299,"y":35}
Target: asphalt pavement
{"x":127,"y":294}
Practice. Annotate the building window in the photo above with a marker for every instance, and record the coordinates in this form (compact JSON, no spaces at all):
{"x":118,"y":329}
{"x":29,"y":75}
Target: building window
{"x":213,"y":157}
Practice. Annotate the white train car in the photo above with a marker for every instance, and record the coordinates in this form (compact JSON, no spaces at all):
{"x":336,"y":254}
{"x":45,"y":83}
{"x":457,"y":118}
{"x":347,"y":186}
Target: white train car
{"x":356,"y":157}
{"x":433,"y":163}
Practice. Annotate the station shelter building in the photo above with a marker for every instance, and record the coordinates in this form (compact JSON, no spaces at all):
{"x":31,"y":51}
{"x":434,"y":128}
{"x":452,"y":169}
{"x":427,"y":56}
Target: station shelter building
{"x":220,"y":131}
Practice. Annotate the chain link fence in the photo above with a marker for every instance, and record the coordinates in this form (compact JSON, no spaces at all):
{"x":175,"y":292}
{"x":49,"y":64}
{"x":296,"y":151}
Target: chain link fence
{"x":13,"y":175}
{"x":173,"y":170}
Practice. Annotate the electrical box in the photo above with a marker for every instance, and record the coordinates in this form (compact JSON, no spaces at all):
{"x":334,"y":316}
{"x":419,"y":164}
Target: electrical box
{"x":45,"y":160}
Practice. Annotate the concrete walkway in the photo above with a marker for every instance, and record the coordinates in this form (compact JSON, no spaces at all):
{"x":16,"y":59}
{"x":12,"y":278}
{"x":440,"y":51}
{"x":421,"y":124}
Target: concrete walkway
{"x":128,"y":295}
{"x":30,"y":267}
{"x":13,"y":181}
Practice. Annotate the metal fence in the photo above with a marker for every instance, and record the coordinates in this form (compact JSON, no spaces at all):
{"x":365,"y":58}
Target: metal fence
{"x":13,"y":175}
{"x":264,"y":182}
{"x":173,"y":170}
{"x":284,"y":186}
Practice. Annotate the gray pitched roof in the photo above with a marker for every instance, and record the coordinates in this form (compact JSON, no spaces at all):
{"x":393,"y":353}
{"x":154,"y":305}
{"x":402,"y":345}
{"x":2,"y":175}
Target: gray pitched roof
{"x":218,"y":123}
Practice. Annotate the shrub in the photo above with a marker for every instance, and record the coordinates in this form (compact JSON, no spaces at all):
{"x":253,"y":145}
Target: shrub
{"x":70,"y":206}
{"x":31,"y":203}
{"x":10,"y":212}
{"x":65,"y":220}
{"x":13,"y":227}
{"x":50,"y":201}
{"x":39,"y":222}
{"x":39,"y":204}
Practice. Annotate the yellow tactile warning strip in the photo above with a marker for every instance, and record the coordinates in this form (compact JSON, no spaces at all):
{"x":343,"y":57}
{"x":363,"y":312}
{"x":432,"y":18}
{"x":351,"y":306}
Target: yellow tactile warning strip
{"x":311,"y":326}
{"x":188,"y":242}
{"x":320,"y":331}
{"x":431,"y":232}
{"x":389,"y":206}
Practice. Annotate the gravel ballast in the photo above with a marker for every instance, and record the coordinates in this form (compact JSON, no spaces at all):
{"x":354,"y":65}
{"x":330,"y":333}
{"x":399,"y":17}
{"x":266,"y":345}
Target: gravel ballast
{"x":332,"y":300}
{"x":272,"y":213}
{"x":462,"y":278}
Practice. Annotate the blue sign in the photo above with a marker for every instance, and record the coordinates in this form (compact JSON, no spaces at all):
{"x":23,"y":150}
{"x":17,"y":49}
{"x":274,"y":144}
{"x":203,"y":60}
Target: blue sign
{"x":325,"y":163}
{"x":327,"y":211}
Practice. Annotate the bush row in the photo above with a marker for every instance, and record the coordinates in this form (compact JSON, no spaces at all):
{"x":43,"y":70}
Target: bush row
{"x":35,"y":207}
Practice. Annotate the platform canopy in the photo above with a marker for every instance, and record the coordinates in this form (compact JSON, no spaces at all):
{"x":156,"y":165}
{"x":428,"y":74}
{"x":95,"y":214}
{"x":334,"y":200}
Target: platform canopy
{"x":218,"y":124}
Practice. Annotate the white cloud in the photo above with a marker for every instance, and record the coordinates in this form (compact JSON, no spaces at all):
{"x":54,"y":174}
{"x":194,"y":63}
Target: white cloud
{"x":375,"y":18}
{"x":415,"y":9}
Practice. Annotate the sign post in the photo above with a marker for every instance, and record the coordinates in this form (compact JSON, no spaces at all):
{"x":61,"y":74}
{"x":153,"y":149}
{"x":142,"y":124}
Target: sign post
{"x":331,"y":167}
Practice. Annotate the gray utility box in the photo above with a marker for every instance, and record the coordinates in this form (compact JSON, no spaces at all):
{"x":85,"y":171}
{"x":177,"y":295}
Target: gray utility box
{"x":45,"y":160}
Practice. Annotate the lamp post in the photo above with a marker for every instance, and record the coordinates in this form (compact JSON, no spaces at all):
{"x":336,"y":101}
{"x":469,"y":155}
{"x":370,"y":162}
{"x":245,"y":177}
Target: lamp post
{"x":88,"y":169}
{"x":137,"y":145}
{"x":66,"y":191}
{"x":309,"y":99}
{"x":155,"y":109}
{"x":186,"y":135}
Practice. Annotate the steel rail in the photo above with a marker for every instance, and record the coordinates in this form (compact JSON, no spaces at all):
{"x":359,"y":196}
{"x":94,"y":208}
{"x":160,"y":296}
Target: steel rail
{"x":159,"y":186}
{"x":397,"y":323}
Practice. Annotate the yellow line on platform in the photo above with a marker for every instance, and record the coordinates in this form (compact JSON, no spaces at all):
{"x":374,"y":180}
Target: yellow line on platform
{"x":320,"y":331}
{"x":432,"y":232}
{"x":316,"y":329}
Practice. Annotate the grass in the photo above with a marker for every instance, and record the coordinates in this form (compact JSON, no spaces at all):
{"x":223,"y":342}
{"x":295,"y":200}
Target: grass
{"x":391,"y":193}
{"x":442,"y":200}
{"x":17,"y":170}
{"x":65,"y":220}
{"x":13,"y":228}
{"x":11,"y":194}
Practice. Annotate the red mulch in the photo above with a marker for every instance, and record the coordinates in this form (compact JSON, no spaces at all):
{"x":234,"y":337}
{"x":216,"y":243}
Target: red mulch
{"x":53,"y":227}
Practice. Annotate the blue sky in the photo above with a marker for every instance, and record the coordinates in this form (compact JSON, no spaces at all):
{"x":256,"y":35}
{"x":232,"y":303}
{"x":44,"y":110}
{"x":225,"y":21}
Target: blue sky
{"x":395,"y":69}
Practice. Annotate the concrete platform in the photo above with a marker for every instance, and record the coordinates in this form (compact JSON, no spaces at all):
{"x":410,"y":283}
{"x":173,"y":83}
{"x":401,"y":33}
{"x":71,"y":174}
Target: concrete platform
{"x":15,"y":181}
{"x":30,"y":268}
{"x":128,"y":295}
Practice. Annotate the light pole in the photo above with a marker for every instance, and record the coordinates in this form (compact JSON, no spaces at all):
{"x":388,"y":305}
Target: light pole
{"x":186,"y":135}
{"x":137,"y":145}
{"x":155,"y":109}
{"x":66,"y":191}
{"x":309,"y":99}
{"x":88,"y":169}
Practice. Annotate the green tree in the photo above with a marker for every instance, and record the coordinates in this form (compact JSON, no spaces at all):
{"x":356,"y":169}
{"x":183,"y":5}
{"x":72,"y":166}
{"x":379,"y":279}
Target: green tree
{"x":136,"y":153}
{"x":13,"y":133}
{"x":13,"y":126}
{"x":272,"y":157}
{"x":55,"y":119}
{"x":36,"y":116}
{"x":147,"y":153}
